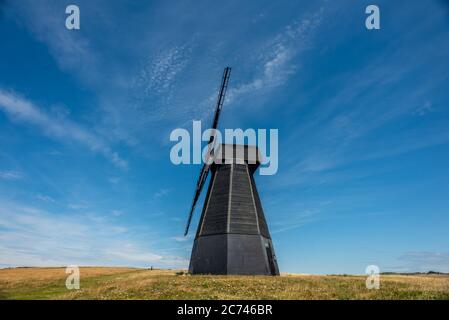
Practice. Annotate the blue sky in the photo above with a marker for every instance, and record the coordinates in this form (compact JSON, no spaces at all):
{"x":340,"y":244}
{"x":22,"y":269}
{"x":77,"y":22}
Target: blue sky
{"x":363,"y":119}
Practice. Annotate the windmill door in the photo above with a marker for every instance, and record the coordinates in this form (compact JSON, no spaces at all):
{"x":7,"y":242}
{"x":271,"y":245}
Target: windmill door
{"x":270,"y":259}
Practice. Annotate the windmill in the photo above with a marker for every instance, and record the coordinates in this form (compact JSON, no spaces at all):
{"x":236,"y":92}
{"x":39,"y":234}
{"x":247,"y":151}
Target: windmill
{"x":232,"y":235}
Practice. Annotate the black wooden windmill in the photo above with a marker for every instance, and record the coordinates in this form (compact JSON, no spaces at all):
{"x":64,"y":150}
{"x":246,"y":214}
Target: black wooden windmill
{"x":232,"y":235}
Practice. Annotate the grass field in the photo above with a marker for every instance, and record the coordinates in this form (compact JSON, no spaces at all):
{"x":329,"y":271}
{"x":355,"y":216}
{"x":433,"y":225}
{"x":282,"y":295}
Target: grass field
{"x":126,"y":283}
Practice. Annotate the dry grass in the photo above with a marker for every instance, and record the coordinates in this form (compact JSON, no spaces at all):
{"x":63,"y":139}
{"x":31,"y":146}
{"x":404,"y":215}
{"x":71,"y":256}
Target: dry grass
{"x":18,"y":275}
{"x":123,"y":283}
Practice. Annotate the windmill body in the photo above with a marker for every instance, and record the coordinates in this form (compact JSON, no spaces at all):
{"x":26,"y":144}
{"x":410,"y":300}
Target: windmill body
{"x":232,"y":235}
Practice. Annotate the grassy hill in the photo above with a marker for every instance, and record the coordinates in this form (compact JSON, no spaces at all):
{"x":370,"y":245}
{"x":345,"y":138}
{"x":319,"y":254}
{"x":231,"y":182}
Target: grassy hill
{"x":128,"y":283}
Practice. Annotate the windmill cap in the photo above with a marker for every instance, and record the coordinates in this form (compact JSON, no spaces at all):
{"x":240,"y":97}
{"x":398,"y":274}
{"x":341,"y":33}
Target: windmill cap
{"x":237,"y":153}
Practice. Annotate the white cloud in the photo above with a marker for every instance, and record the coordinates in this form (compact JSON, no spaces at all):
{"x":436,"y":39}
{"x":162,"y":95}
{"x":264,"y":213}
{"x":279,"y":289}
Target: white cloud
{"x":21,"y":109}
{"x":340,"y":129}
{"x":117,"y":213}
{"x":422,"y":261}
{"x":71,"y":50}
{"x":181,"y":239}
{"x":45,"y":198}
{"x":34,"y":237}
{"x":160,"y":83}
{"x":294,"y":220}
{"x":130,"y":253}
{"x":77,"y":206}
{"x":11,"y":175}
{"x":278,"y":54}
{"x":114,"y":180}
{"x":160,"y":71}
{"x":297,"y":214}
{"x":161,"y":193}
{"x":424,"y":109}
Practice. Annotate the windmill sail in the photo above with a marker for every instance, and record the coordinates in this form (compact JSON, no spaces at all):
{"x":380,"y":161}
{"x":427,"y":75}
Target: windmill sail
{"x":199,"y":187}
{"x":205,"y":169}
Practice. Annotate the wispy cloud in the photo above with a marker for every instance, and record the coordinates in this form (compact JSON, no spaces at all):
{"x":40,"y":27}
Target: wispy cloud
{"x":424,"y":109}
{"x":161,"y":193}
{"x":114,"y":180}
{"x":159,"y":71}
{"x":275,"y":63}
{"x":45,"y":198}
{"x":294,"y":220}
{"x":297,"y":214}
{"x":341,"y":127}
{"x":130,"y":253}
{"x":45,"y":21}
{"x":168,"y":85}
{"x":21,"y":109}
{"x":77,"y":206}
{"x":117,"y":213}
{"x":181,"y":239}
{"x":11,"y":175}
{"x":422,"y":261}
{"x":34,"y":237}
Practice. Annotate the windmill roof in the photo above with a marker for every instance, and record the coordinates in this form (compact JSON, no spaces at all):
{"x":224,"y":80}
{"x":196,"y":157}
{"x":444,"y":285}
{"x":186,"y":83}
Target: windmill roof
{"x":227,"y":153}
